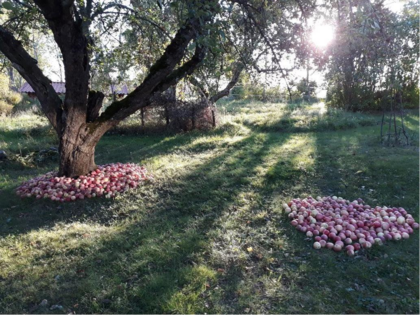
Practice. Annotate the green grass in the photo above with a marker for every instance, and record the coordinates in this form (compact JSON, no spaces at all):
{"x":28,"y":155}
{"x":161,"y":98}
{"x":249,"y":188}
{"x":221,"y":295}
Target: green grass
{"x":179,"y":244}
{"x":271,"y":117}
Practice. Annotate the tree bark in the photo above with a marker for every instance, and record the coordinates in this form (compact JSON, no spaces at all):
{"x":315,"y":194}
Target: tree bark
{"x":76,"y":159}
{"x":193,"y":118}
{"x":95,"y":100}
{"x":77,"y":148}
{"x":28,"y":68}
{"x":11,"y":79}
{"x":142,"y":116}
{"x":167,"y":115}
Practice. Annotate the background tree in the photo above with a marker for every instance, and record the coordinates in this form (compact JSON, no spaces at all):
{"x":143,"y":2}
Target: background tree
{"x":259,"y":50}
{"x":306,"y":88}
{"x":371,"y":43}
{"x":356,"y":54}
{"x":407,"y":43}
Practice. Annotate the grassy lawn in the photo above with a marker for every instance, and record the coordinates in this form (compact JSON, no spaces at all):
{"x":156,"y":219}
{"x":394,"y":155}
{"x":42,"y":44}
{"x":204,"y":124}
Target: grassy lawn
{"x":182,"y":243}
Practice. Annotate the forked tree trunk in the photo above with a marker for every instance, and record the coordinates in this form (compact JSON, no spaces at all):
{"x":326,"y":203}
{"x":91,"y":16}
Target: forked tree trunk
{"x":77,"y":148}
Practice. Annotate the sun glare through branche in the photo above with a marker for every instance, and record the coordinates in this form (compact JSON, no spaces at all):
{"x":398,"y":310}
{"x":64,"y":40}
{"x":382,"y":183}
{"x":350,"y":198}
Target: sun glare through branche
{"x":322,"y":35}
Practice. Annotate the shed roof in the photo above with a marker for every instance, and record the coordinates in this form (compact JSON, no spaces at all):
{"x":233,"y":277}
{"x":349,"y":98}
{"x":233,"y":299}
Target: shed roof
{"x":59,"y":87}
{"x":122,"y":90}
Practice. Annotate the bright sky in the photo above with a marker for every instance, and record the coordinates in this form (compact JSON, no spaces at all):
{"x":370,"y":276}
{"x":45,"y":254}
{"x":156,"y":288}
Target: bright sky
{"x":395,"y":5}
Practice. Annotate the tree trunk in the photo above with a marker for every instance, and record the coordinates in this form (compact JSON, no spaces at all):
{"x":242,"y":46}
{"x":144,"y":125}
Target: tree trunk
{"x":12,"y":84}
{"x":193,"y":118}
{"x":167,"y":115}
{"x":213,"y":117}
{"x":142,"y":117}
{"x":77,"y":147}
{"x":77,"y":159}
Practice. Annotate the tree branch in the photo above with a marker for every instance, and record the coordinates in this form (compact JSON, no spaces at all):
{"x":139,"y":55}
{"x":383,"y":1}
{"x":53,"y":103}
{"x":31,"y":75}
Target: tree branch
{"x":130,"y":10}
{"x":186,"y":69}
{"x":200,"y":87}
{"x":24,"y":4}
{"x":161,"y":74}
{"x":73,"y":44}
{"x":235,"y":78}
{"x":27,"y":67}
{"x":95,"y":100}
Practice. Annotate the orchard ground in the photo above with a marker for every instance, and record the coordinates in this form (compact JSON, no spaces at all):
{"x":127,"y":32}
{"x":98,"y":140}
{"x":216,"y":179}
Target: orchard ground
{"x":209,"y":234}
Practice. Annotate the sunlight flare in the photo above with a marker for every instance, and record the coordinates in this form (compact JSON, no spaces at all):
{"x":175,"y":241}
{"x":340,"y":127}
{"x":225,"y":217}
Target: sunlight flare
{"x":322,"y":35}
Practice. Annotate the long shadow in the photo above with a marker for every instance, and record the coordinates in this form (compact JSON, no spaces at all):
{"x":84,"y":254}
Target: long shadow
{"x":142,"y":147}
{"x":154,"y":255}
{"x":346,"y":164}
{"x":160,"y":256}
{"x":19,"y":214}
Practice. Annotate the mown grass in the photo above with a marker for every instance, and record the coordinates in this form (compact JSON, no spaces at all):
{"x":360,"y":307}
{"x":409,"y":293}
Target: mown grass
{"x":182,"y":243}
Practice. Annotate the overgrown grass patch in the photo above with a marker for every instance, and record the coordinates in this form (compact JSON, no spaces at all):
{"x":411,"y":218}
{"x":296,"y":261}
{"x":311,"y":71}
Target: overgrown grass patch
{"x":272,"y":117}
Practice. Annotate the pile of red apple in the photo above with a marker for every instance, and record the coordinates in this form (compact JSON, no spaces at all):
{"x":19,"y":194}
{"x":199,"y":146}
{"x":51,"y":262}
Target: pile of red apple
{"x":107,"y":180}
{"x":339,"y":224}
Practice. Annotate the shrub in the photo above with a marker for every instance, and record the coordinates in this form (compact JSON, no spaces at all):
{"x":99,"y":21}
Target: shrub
{"x":192,"y":115}
{"x":5,"y":109}
{"x":168,"y":114}
{"x":27,"y":104}
{"x":184,"y":115}
{"x":259,"y":92}
{"x":363,"y":99}
{"x":238,"y":92}
{"x":8,"y":98}
{"x":411,"y":97}
{"x":13,"y":98}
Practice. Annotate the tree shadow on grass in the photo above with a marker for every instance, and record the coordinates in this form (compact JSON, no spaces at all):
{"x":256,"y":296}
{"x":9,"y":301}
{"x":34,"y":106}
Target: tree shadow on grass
{"x":162,"y":256}
{"x":22,"y":215}
{"x":381,"y":280}
{"x":154,"y":261}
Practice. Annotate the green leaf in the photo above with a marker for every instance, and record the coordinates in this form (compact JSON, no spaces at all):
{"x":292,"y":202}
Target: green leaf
{"x":191,"y":47}
{"x":222,"y":34}
{"x":8,"y":5}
